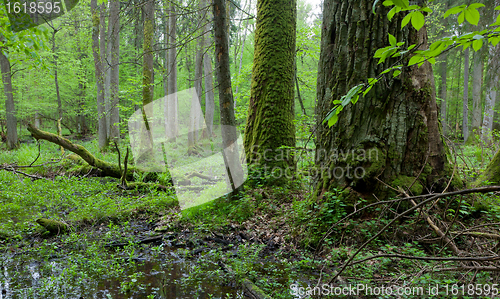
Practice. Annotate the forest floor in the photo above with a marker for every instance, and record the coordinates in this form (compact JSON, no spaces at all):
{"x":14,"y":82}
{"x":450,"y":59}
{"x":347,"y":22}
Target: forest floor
{"x":130,"y":244}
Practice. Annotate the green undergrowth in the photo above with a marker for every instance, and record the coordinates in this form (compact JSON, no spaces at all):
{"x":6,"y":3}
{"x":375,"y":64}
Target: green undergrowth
{"x":70,"y":199}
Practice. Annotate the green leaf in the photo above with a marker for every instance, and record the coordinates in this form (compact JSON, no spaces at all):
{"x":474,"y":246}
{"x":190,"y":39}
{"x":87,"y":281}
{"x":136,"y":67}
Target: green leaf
{"x":477,"y":44}
{"x":367,"y":90}
{"x":472,"y":16}
{"x":461,"y":18}
{"x":415,"y":59}
{"x":391,"y":13}
{"x":497,"y":8}
{"x":454,"y":10}
{"x":333,"y":120}
{"x":476,"y":5}
{"x":355,"y":99}
{"x":406,"y":20}
{"x":494,"y":40}
{"x":411,"y":47}
{"x":426,"y":9}
{"x":330,"y":114}
{"x":417,"y":20}
{"x":396,"y":73}
{"x":392,"y":40}
{"x":402,"y":3}
{"x":387,"y":3}
{"x":350,"y":94}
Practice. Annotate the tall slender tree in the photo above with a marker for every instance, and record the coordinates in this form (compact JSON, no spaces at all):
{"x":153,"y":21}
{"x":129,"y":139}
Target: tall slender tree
{"x":209,"y":85}
{"x":465,"y":105}
{"x":12,"y":141}
{"x":172,"y":74}
{"x":99,"y":74}
{"x":226,"y":101}
{"x":477,"y":83}
{"x":114,"y":53}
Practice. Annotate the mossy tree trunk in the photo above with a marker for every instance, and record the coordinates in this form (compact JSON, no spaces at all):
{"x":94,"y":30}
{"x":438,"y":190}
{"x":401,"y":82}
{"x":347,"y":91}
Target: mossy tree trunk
{"x":491,"y":175}
{"x":269,"y":124}
{"x":393,"y":132}
{"x":12,"y":141}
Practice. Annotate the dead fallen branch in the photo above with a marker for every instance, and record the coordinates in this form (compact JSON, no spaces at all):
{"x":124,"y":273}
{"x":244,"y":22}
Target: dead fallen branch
{"x":430,"y":258}
{"x":479,"y":234}
{"x":408,"y":211}
{"x":15,"y":170}
{"x":467,"y":268}
{"x":107,"y":169}
{"x":427,"y":196}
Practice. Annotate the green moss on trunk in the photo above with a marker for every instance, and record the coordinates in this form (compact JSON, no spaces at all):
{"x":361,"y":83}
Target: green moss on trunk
{"x":270,"y":117}
{"x":53,"y":226}
{"x":491,"y":175}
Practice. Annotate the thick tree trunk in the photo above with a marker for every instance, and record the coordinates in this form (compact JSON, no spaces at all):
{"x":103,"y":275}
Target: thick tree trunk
{"x":226,"y":102}
{"x":477,"y":82}
{"x":465,"y":107}
{"x":114,"y":99}
{"x":444,"y":69}
{"x":392,"y":133}
{"x":12,"y":141}
{"x":270,"y":124}
{"x":103,"y":142}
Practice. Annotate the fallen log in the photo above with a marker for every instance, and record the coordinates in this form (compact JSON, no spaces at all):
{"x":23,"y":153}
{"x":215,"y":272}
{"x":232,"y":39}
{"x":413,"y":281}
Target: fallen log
{"x":107,"y":169}
{"x":53,"y":226}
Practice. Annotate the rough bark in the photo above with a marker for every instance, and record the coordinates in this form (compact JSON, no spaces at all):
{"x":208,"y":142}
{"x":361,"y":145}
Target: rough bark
{"x":392,"y":133}
{"x":99,"y":74}
{"x":12,"y":141}
{"x":226,"y":101}
{"x":270,"y":125}
{"x":477,"y":82}
{"x":465,"y":106}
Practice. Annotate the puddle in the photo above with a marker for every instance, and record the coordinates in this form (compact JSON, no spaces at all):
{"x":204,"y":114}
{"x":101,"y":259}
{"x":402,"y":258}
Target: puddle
{"x":163,"y":277}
